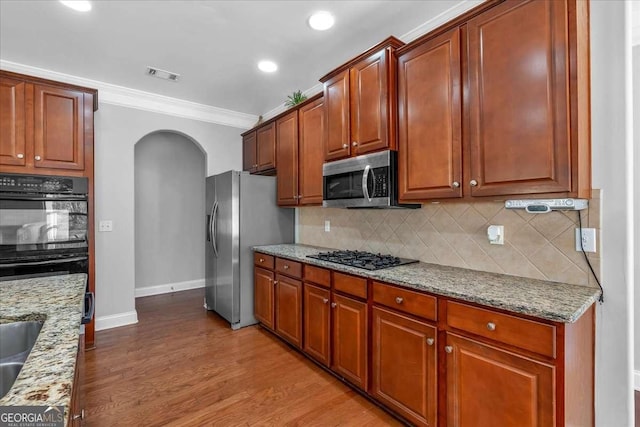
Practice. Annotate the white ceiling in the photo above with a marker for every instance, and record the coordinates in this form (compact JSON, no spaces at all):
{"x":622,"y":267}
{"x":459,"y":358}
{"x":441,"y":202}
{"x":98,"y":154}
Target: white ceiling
{"x":213,"y":45}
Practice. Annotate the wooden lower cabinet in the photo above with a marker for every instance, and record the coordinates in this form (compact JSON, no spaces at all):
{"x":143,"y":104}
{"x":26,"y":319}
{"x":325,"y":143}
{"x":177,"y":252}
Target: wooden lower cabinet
{"x":288,"y":298}
{"x":317,"y":323}
{"x":404,"y":366}
{"x":487,"y":386}
{"x":350,"y":333}
{"x":76,"y":406}
{"x":264,"y":297}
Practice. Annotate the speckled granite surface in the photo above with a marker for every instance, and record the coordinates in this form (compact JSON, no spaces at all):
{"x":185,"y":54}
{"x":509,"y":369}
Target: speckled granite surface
{"x":547,"y":300}
{"x":47,"y":375}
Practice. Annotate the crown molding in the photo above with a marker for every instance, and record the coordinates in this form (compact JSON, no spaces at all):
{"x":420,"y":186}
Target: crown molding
{"x":132,"y":98}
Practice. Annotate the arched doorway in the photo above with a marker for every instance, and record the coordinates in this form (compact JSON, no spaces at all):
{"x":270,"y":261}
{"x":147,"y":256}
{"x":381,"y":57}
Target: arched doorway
{"x":170,"y":171}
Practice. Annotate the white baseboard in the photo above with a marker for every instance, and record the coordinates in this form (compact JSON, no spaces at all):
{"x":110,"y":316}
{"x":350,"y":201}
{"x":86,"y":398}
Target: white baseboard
{"x":636,"y":380}
{"x":116,"y":320}
{"x":168,"y":288}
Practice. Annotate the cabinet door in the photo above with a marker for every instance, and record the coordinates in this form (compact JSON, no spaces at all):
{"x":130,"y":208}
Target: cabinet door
{"x":369,"y":97}
{"x":264,"y":296}
{"x":287,"y":156}
{"x":430,"y":120}
{"x":249,"y":161}
{"x":336,"y":99}
{"x":289,"y":309}
{"x":12,"y":122}
{"x":266,"y":147}
{"x":404,"y":366}
{"x":311,"y":131}
{"x":350,"y":339}
{"x":316,"y":323}
{"x":58,"y":128}
{"x":518,"y":99}
{"x":490,"y":387}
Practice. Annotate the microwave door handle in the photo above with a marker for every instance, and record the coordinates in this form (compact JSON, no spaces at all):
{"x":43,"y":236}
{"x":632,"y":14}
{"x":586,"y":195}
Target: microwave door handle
{"x":365,"y":188}
{"x":214,"y":228}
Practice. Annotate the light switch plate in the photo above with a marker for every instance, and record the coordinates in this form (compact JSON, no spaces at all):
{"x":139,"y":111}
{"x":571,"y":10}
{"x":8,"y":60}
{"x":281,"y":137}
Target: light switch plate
{"x":588,"y":240}
{"x":105,"y":225}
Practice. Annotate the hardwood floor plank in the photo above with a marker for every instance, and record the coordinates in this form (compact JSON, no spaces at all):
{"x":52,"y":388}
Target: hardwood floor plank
{"x":183,"y":366}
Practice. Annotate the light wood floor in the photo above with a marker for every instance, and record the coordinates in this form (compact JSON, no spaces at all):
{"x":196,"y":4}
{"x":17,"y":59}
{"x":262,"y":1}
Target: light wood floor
{"x":183,"y":366}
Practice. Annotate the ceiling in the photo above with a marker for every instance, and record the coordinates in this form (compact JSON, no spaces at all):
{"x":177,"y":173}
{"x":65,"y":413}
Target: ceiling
{"x":213,"y":45}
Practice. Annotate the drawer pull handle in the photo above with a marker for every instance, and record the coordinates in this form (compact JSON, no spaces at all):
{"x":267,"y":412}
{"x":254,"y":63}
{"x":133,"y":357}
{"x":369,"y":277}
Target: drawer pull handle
{"x":334,"y":305}
{"x":325,"y":300}
{"x":491,"y":326}
{"x":399,"y":300}
{"x":430,"y":341}
{"x":448,"y":349}
{"x":286,"y":267}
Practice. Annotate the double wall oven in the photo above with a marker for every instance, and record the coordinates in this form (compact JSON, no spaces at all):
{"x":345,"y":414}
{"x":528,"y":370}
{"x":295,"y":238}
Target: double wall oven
{"x":44,"y":227}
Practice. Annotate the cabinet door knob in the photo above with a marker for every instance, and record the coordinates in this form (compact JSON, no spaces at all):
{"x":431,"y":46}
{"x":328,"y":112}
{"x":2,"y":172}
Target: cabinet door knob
{"x":334,"y":305}
{"x":399,"y":300}
{"x":325,"y":300}
{"x":38,"y":157}
{"x":20,"y":156}
{"x":491,"y":326}
{"x":430,"y":341}
{"x":79,"y":416}
{"x":286,"y":267}
{"x":261,"y":259}
{"x":473,"y":183}
{"x":354,"y":144}
{"x":455,"y":184}
{"x":345,"y":145}
{"x":275,"y":282}
{"x":448,"y":349}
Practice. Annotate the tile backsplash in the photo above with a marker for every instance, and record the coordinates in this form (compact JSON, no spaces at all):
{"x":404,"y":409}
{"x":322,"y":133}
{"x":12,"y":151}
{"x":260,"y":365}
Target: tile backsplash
{"x":540,"y":246}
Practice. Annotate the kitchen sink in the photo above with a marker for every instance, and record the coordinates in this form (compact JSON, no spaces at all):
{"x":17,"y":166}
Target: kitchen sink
{"x":16,"y":341}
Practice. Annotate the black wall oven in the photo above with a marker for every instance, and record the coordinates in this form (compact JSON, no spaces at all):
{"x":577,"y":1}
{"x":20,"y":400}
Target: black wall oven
{"x":43,"y":225}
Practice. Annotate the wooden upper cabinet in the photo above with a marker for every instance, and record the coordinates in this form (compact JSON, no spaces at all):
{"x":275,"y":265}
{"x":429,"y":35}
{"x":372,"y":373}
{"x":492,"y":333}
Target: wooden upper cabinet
{"x":360,"y":103}
{"x":518,"y":72}
{"x":487,"y":386}
{"x":336,"y":99}
{"x":311,"y":156}
{"x":287,"y":155}
{"x":12,"y":122}
{"x":59,"y":127}
{"x":266,"y":147}
{"x":249,"y":160}
{"x":430,"y":119}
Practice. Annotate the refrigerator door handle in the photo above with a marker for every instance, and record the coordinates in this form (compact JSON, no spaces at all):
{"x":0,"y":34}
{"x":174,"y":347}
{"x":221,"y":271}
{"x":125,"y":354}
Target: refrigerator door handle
{"x":214,"y":228}
{"x":208,"y":226}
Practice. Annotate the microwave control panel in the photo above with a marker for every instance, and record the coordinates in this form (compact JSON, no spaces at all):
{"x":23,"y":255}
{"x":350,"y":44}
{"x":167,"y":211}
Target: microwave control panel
{"x":380,"y":182}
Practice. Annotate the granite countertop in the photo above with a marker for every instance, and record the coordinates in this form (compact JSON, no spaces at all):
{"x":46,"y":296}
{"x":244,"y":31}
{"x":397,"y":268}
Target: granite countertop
{"x":47,"y":375}
{"x":558,"y":302}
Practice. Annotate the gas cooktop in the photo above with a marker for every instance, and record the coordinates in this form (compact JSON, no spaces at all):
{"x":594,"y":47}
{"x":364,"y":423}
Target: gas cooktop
{"x":366,"y":260}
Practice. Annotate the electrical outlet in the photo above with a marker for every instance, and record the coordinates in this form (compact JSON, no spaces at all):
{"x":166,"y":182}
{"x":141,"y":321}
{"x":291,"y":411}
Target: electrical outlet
{"x":327,"y":226}
{"x":588,"y":239}
{"x":105,"y":225}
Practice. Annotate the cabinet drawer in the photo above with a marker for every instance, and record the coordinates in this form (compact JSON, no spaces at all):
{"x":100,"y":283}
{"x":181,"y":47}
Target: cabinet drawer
{"x":317,"y":275}
{"x":527,"y":334}
{"x":264,"y":261}
{"x":356,"y":286}
{"x":404,"y":300}
{"x":288,"y":267}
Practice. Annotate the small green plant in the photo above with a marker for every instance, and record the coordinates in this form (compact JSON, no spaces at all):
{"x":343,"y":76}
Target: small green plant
{"x":295,"y":99}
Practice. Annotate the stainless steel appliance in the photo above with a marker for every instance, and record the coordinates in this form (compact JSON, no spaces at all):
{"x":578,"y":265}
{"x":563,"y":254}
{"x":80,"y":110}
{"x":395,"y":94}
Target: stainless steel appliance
{"x":44,"y":228}
{"x":241,"y":213}
{"x":365,"y":260}
{"x":367,"y":181}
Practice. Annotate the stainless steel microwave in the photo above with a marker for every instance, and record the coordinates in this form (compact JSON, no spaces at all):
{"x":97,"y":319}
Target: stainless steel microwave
{"x":367,"y":181}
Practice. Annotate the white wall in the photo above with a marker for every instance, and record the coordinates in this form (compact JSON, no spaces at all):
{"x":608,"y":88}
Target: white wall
{"x":169,"y":213}
{"x":117,"y":129}
{"x":611,"y":139}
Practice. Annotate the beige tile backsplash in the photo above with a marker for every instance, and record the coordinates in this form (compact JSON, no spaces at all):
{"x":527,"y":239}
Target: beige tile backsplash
{"x":540,"y":246}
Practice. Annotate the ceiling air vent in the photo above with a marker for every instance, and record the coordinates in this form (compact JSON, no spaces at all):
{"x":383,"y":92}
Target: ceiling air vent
{"x":162,"y":74}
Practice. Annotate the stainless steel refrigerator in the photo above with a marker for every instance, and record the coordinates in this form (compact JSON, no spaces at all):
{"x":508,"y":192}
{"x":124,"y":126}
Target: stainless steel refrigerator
{"x":241,"y":213}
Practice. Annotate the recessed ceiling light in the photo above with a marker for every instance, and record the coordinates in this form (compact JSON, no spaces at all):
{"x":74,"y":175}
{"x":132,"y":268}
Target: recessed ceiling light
{"x":79,"y":5}
{"x":267,"y":66}
{"x":321,"y":21}
{"x":162,"y":74}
